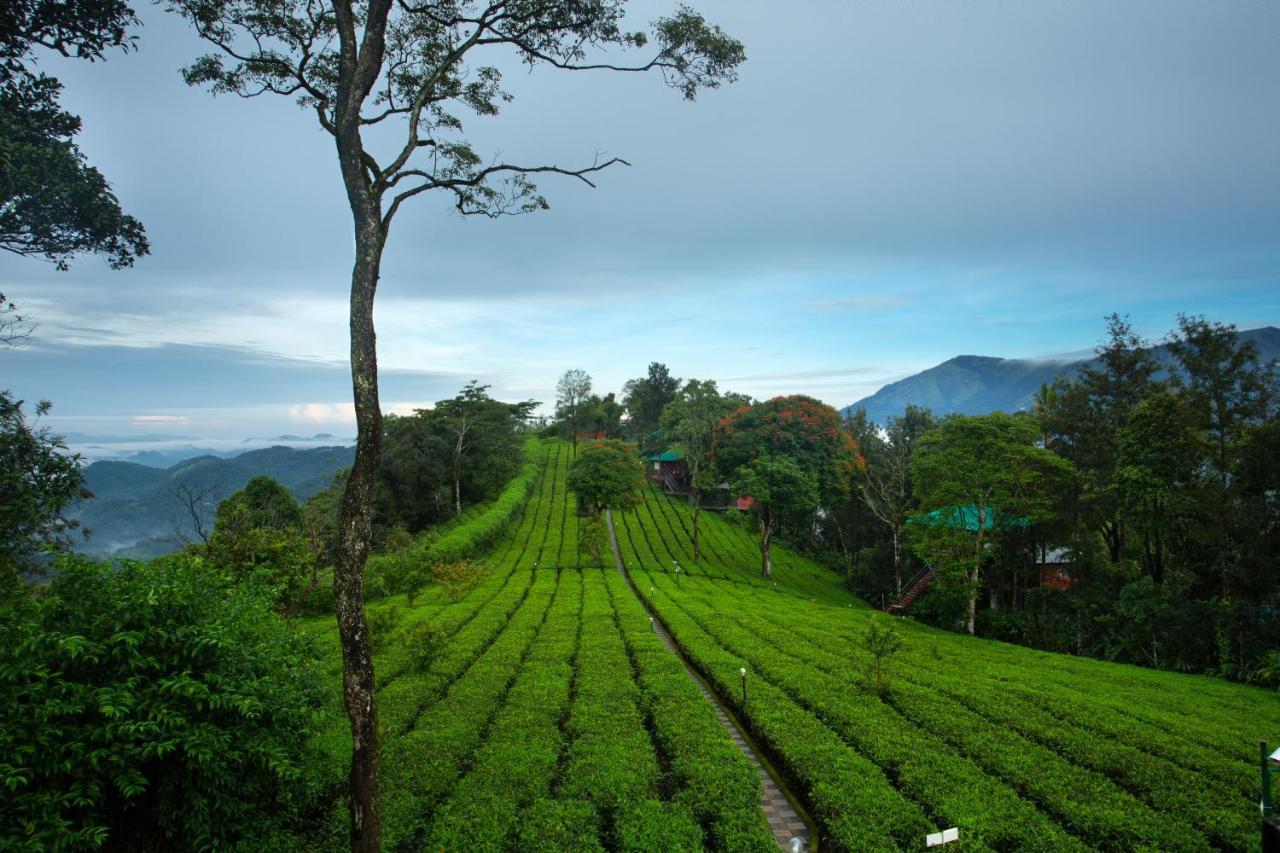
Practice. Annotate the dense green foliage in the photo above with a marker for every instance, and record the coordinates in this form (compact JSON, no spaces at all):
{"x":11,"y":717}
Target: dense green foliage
{"x":1152,"y":528}
{"x":438,"y":460}
{"x":260,"y":538}
{"x":799,"y":428}
{"x":38,"y":480}
{"x":646,"y":398}
{"x":147,"y":707}
{"x":462,"y":537}
{"x":606,"y":475}
{"x":53,"y":204}
{"x":979,"y":479}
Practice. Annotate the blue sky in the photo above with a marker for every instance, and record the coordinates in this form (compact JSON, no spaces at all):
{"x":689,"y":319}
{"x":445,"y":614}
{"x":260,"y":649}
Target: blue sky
{"x":888,"y":185}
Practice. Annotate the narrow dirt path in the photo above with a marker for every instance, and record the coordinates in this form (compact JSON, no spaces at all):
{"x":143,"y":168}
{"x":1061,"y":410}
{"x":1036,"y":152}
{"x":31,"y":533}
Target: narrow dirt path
{"x":785,"y":820}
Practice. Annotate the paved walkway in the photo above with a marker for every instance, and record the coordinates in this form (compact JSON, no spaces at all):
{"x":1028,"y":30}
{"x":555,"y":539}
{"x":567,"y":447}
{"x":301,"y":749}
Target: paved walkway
{"x":784,"y":820}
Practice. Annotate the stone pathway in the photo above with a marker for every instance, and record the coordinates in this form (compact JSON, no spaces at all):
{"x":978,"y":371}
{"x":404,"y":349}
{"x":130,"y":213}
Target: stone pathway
{"x":784,"y":819}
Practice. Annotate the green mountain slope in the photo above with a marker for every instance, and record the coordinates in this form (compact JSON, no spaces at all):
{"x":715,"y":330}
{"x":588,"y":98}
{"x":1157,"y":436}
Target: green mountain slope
{"x":547,"y":709}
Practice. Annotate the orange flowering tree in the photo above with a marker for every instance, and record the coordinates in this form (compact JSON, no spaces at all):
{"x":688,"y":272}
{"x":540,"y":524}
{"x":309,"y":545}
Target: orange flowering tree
{"x":800,"y":430}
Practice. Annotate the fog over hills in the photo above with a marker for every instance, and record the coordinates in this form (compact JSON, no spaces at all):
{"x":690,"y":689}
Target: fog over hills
{"x":976,"y":385}
{"x":162,"y":450}
{"x":138,"y":511}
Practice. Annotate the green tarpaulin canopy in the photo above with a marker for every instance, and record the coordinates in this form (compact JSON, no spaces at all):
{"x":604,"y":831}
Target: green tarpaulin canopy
{"x":966,"y":517}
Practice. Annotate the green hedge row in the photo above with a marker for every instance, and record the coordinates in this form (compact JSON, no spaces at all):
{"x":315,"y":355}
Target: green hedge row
{"x":1194,"y":786}
{"x":420,"y":766}
{"x":518,"y":760}
{"x":1084,"y":802}
{"x":857,"y":807}
{"x":719,"y":784}
{"x":610,"y":761}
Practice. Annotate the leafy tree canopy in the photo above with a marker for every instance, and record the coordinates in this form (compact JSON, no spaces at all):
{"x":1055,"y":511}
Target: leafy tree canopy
{"x":798,"y":427}
{"x":53,"y":204}
{"x":646,"y":397}
{"x":259,"y":536}
{"x":607,"y":475}
{"x":690,"y":421}
{"x":781,"y":492}
{"x":989,"y":472}
{"x":38,"y":481}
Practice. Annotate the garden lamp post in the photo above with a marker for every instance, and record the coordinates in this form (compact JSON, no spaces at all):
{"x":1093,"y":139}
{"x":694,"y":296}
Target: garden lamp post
{"x":1270,"y":825}
{"x":1269,"y":764}
{"x":742,"y":671}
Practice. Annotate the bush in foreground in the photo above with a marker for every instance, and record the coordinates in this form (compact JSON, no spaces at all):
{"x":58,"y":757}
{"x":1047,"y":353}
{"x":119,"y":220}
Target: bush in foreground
{"x":149,"y":706}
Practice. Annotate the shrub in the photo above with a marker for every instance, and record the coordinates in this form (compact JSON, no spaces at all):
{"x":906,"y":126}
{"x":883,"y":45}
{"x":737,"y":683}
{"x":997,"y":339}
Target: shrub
{"x":458,"y":577}
{"x":655,"y":825}
{"x":559,"y":825}
{"x":424,"y":641}
{"x":149,"y":706}
{"x":881,"y":644}
{"x":382,"y":625}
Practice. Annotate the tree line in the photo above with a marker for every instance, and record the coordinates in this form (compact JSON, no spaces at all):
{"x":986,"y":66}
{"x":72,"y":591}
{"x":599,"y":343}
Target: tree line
{"x":1130,"y":514}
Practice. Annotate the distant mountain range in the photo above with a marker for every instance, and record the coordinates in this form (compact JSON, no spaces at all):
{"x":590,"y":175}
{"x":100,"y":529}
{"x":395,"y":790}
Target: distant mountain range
{"x":977,"y":385}
{"x":163,"y":451}
{"x":136,"y":510}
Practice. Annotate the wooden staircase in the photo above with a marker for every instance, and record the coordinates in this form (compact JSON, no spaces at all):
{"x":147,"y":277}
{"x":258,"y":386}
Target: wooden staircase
{"x":672,"y":485}
{"x":914,"y":587}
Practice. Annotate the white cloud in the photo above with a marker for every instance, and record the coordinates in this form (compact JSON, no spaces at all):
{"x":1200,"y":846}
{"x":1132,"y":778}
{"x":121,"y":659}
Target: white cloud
{"x":856,"y":303}
{"x":152,"y":420}
{"x":323,"y":414}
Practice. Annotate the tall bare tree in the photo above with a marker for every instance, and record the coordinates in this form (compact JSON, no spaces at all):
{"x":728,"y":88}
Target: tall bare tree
{"x":364,"y":67}
{"x":198,"y":501}
{"x":571,"y":395}
{"x":14,"y":328}
{"x":886,"y":488}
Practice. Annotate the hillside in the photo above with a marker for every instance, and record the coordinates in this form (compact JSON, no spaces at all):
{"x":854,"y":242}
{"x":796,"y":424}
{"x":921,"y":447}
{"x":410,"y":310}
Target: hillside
{"x":135,"y":511}
{"x":976,"y":385}
{"x":548,"y":710}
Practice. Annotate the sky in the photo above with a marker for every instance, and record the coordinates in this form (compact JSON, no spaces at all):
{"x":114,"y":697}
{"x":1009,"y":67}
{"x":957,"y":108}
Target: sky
{"x":887,"y":185}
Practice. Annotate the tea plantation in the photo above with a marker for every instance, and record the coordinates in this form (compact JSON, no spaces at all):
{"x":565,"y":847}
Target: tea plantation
{"x":535,"y":708}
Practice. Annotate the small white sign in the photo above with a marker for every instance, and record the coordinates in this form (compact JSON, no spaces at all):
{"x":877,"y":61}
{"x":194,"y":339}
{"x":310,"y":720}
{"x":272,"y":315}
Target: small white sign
{"x":935,"y":839}
{"x":1275,"y":756}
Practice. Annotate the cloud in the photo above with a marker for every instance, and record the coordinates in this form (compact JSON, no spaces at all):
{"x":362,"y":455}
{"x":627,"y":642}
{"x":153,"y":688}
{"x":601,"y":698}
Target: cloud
{"x":831,"y":373}
{"x":152,"y":420}
{"x":323,"y":413}
{"x":852,"y":304}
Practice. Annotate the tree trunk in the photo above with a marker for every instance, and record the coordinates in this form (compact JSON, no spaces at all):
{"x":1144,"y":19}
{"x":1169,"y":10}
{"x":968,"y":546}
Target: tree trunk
{"x":354,"y":535}
{"x":973,"y":601}
{"x":597,"y":534}
{"x":897,"y":560}
{"x":353,"y":550}
{"x":697,"y":502}
{"x":766,"y":557}
{"x":457,"y":483}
